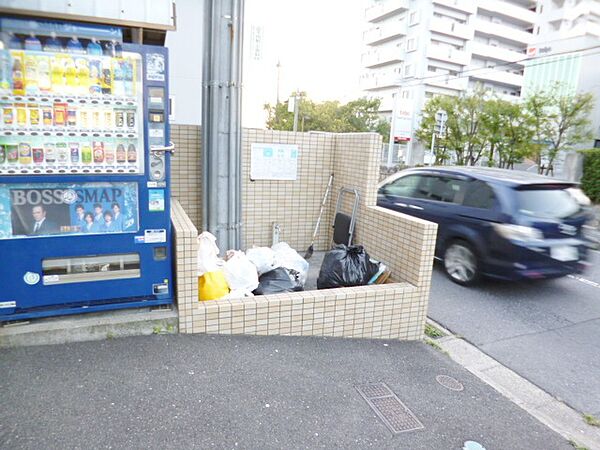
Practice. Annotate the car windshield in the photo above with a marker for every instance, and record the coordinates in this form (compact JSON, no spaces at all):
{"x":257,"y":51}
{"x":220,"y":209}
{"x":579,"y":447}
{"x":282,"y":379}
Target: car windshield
{"x":547,"y":203}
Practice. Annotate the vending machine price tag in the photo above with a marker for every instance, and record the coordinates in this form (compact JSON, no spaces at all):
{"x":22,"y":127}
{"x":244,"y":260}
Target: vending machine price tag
{"x":155,"y":236}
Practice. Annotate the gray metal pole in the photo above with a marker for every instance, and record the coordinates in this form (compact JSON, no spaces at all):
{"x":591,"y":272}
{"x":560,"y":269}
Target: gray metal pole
{"x":221,"y":121}
{"x":296,"y":110}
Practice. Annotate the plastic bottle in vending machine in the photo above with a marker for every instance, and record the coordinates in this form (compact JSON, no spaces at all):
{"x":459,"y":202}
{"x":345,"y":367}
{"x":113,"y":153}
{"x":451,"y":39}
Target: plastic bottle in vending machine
{"x":25,"y":153}
{"x":62,"y":153}
{"x":109,"y":153}
{"x":95,"y":77}
{"x":33,"y":43}
{"x":98,"y":152}
{"x":2,"y":154}
{"x":86,"y":153}
{"x":83,"y":118}
{"x":106,"y":77}
{"x":12,"y":153}
{"x":21,"y":114}
{"x":57,"y":74}
{"x":31,"y":74}
{"x":5,"y":70}
{"x":94,"y":48}
{"x":44,"y":79}
{"x":71,"y":75}
{"x":38,"y":155}
{"x":118,"y":81}
{"x":74,"y":46}
{"x":131,"y":154}
{"x":108,"y":119}
{"x":74,"y":150}
{"x":50,"y":152}
{"x":109,"y":48}
{"x":121,"y":154}
{"x":53,"y":44}
{"x":83,"y":76}
{"x":18,"y":77}
{"x":128,"y":83}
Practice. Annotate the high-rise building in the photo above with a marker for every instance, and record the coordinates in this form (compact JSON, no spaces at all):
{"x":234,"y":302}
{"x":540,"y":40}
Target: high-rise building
{"x":416,"y":49}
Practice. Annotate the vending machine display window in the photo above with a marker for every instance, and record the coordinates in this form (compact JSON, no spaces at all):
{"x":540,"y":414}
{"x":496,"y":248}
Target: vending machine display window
{"x":81,"y":269}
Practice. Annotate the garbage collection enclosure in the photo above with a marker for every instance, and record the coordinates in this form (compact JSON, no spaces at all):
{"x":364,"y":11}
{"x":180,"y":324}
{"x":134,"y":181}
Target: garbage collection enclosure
{"x":395,"y":310}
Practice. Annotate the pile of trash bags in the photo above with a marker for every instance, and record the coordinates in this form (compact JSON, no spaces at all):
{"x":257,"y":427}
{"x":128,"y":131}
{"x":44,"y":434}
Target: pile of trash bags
{"x":347,"y":266}
{"x":258,"y":271}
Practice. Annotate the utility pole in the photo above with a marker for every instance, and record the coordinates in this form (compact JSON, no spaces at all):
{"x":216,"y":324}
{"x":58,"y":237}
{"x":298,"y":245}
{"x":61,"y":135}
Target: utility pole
{"x":296,"y":108}
{"x":278,"y":65}
{"x":439,"y":129}
{"x":390,"y":160}
{"x":221,"y":121}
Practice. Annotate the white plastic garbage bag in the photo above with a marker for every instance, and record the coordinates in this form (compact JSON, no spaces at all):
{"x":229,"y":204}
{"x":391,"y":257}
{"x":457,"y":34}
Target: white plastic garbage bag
{"x":208,"y":253}
{"x":263,"y":258}
{"x":286,"y":256}
{"x":240,"y":273}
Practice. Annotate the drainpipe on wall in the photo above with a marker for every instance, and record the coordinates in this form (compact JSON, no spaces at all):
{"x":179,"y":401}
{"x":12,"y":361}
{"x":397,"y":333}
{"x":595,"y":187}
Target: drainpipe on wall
{"x":221,"y":121}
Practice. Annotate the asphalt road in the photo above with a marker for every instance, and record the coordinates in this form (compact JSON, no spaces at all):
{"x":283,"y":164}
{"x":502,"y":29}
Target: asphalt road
{"x":547,"y":331}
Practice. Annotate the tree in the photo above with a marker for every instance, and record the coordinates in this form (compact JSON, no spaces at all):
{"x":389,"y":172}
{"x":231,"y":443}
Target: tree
{"x":359,"y":115}
{"x":561,"y":122}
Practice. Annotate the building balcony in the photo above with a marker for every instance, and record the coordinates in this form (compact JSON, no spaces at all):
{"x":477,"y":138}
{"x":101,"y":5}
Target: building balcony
{"x":384,"y":81}
{"x":496,"y":53}
{"x":448,"y":54}
{"x":383,"y":10}
{"x":379,"y":35}
{"x":518,"y":14}
{"x":498,"y":77}
{"x":582,"y":9}
{"x":503,"y":31}
{"x":382,"y":57}
{"x":466,"y":6}
{"x":446,"y":81}
{"x":450,"y":28}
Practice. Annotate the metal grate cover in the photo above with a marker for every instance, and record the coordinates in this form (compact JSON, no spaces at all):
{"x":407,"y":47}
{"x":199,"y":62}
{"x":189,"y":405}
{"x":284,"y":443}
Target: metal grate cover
{"x":449,"y":382}
{"x":389,"y":408}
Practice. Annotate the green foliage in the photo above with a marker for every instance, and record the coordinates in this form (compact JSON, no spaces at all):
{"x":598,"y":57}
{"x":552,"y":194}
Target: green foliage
{"x":480,"y":125}
{"x":590,"y":181}
{"x":432,"y":331}
{"x":359,"y":115}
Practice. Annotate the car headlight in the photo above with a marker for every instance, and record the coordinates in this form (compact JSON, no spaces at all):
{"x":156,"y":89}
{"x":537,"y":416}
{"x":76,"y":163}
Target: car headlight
{"x":518,"y":232}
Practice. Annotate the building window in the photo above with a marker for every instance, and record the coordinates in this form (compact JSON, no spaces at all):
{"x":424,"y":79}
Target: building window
{"x":413,"y":19}
{"x":405,"y":94}
{"x":408,"y":70}
{"x":411,"y":44}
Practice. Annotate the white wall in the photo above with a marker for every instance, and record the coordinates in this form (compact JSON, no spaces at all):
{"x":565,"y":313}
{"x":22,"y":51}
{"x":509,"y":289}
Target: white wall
{"x":185,"y":54}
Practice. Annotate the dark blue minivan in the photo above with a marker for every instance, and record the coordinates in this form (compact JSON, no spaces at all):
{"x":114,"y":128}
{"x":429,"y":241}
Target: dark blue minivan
{"x":499,"y":223}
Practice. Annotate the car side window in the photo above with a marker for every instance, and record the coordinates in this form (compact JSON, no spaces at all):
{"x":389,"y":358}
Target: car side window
{"x":402,"y":187}
{"x":442,"y":189}
{"x":479,"y":195}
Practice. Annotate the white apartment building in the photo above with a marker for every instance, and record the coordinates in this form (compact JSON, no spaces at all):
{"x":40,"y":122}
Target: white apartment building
{"x":416,"y":49}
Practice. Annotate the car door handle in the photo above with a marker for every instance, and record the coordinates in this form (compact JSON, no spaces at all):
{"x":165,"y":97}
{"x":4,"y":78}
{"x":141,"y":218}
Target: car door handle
{"x":402,"y":205}
{"x":415,"y":207}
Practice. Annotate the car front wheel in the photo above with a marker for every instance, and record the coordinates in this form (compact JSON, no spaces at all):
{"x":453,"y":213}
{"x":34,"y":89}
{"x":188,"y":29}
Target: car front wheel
{"x":460,"y":263}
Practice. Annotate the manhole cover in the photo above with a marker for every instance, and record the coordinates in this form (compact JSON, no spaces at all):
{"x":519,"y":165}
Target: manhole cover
{"x":449,"y":382}
{"x":389,"y":408}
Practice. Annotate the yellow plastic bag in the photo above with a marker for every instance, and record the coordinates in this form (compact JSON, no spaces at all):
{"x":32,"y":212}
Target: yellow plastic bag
{"x":212,"y":285}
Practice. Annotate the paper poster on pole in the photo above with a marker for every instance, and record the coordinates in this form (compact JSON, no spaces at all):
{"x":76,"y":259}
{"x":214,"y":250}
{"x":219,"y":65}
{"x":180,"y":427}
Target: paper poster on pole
{"x":274,"y":162}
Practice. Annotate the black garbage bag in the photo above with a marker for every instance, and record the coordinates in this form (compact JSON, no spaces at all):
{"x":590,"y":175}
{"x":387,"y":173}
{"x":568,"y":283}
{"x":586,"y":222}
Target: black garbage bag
{"x":346,"y":266}
{"x":278,"y":280}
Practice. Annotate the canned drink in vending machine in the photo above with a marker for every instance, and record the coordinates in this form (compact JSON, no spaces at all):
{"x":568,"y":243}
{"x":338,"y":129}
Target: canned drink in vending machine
{"x":130,"y":119}
{"x":34,"y":115}
{"x":8,"y":116}
{"x":83,"y":118}
{"x":98,"y":152}
{"x":72,"y":117}
{"x":25,"y":153}
{"x":86,"y":153}
{"x":50,"y":152}
{"x":38,"y":155}
{"x":96,"y":119}
{"x":119,"y":119}
{"x":108,"y":118}
{"x":12,"y":153}
{"x":74,"y":150}
{"x":21,"y":115}
{"x":62,"y":153}
{"x":47,"y":117}
{"x":60,"y":114}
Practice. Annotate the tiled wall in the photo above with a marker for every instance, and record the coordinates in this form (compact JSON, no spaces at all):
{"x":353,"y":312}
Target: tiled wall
{"x":406,"y":244}
{"x":186,"y":170}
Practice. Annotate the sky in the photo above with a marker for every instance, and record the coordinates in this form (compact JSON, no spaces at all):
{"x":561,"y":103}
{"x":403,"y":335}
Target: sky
{"x":318,"y":42}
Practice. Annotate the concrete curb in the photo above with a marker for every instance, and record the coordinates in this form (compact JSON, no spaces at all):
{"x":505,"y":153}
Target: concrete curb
{"x":551,"y":412}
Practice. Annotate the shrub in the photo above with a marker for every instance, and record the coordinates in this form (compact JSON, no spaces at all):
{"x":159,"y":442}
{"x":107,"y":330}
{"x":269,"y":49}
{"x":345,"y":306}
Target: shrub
{"x":590,"y":181}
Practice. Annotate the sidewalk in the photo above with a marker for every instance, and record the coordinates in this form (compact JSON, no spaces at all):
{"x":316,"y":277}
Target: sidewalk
{"x":177,"y":391}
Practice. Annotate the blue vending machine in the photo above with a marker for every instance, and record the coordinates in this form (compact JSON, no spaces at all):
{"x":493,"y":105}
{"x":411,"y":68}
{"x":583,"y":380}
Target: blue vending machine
{"x":84,"y":171}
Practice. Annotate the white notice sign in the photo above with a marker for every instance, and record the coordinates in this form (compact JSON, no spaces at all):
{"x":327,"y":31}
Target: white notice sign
{"x":274,"y":162}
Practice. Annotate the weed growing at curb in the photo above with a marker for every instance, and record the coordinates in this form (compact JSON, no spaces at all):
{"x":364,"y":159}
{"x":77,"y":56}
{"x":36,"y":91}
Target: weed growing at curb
{"x":157,"y":329}
{"x":435,"y":345}
{"x":591,"y":420}
{"x":433,"y":332}
{"x":110,"y":335}
{"x":577,"y":446}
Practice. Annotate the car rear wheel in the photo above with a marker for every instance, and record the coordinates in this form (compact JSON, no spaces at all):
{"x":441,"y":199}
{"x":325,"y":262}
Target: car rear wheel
{"x":460,"y":263}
